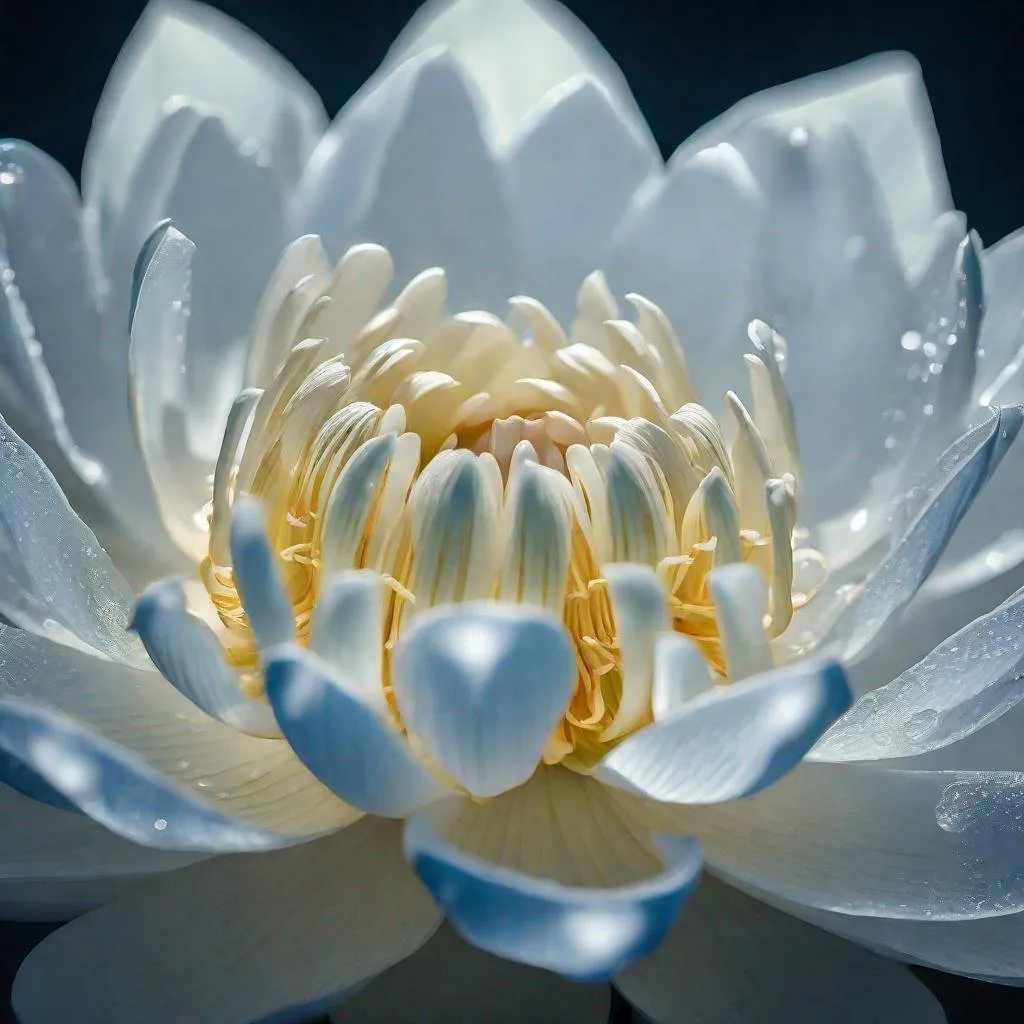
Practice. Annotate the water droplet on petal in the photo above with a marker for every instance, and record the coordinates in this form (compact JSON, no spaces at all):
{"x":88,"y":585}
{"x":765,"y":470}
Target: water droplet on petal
{"x":911,"y":341}
{"x":160,"y":824}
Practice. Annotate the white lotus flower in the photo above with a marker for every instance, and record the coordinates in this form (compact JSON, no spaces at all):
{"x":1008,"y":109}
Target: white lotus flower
{"x":472,"y":549}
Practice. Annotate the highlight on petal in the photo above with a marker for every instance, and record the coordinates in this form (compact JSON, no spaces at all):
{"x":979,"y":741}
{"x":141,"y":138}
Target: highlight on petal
{"x":258,"y":576}
{"x":680,"y":674}
{"x":342,"y":739}
{"x":929,"y":514}
{"x":585,"y":933}
{"x":189,"y":52}
{"x":482,"y":684}
{"x":280,"y":936}
{"x":732,"y":741}
{"x":191,"y":658}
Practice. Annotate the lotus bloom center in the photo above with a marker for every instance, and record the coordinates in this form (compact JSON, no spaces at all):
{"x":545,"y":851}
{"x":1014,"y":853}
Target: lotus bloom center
{"x":465,"y":458}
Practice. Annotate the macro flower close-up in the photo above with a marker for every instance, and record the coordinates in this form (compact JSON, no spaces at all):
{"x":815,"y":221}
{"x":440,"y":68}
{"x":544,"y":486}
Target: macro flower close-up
{"x":457,"y":565}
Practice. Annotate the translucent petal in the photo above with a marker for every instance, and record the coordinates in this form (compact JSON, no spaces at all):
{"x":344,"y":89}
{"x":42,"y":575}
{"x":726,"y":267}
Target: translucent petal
{"x":341,"y":739}
{"x":312,"y":922}
{"x":482,"y":685}
{"x":173,"y":761}
{"x":733,"y":960}
{"x":449,"y":980}
{"x":731,"y":741}
{"x":585,"y":933}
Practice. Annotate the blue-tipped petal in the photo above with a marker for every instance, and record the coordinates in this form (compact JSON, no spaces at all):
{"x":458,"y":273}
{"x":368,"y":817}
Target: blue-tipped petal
{"x":20,"y":777}
{"x":929,"y":514}
{"x":731,"y":741}
{"x":585,"y":933}
{"x":191,"y":658}
{"x":258,"y":577}
{"x":483,"y":684}
{"x":363,"y":759}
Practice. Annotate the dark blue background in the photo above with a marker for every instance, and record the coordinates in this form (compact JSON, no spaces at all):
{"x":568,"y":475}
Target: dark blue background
{"x":686,"y":60}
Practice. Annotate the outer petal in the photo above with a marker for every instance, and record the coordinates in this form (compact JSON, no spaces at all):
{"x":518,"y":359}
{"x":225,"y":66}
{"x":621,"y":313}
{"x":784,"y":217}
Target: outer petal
{"x":487,"y":38}
{"x":732,"y":960}
{"x":483,"y":684}
{"x":55,"y":571}
{"x":870,"y":841}
{"x":452,"y":213}
{"x":967,"y":681}
{"x":252,"y":937}
{"x":171,"y":762}
{"x":929,"y":515}
{"x":571,"y":175}
{"x":341,"y":739}
{"x":449,"y":981}
{"x":882,"y":100}
{"x":732,"y":741}
{"x":192,"y":52}
{"x":549,"y":875}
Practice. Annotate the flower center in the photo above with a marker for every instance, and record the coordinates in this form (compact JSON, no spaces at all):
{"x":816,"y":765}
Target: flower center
{"x":466,"y":458}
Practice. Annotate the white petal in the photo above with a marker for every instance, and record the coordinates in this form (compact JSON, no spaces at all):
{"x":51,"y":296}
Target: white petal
{"x":732,"y":960}
{"x":640,"y":603}
{"x":483,"y":684}
{"x":882,"y":100}
{"x":571,"y":175}
{"x":741,"y":603}
{"x":449,"y":980}
{"x":54,"y":568}
{"x":191,"y":658}
{"x":452,"y":213}
{"x":550,"y":876}
{"x":680,"y":674}
{"x":258,"y":577}
{"x":870,"y":841}
{"x":176,"y":763}
{"x":732,"y":741}
{"x":342,"y":740}
{"x":311,"y":921}
{"x":488,"y":38}
{"x":192,"y":53}
{"x":1002,"y":336}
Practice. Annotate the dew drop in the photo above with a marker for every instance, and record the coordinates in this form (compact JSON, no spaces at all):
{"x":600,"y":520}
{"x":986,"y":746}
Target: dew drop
{"x":859,"y":520}
{"x":929,"y":349}
{"x":160,"y":824}
{"x":911,"y":341}
{"x":798,"y":137}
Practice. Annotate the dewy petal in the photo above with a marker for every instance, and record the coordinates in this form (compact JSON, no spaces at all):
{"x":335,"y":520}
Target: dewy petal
{"x":571,"y":175}
{"x":450,"y":980}
{"x":733,"y":960}
{"x":731,"y":741}
{"x":452,"y":213}
{"x":967,"y":681}
{"x":342,"y":740}
{"x":191,"y":658}
{"x":875,"y":842}
{"x":989,"y":948}
{"x":882,"y":100}
{"x":254,"y":938}
{"x":482,"y":684}
{"x":487,"y":39}
{"x":551,"y":917}
{"x":196,"y":55}
{"x":54,"y":568}
{"x":172,"y":762}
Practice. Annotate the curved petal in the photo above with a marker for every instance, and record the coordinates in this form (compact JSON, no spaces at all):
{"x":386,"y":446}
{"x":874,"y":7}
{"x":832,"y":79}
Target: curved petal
{"x":55,"y":570}
{"x":929,"y":514}
{"x":967,"y":681}
{"x":733,"y":960}
{"x":482,"y":684}
{"x":361,"y":757}
{"x":449,"y":980}
{"x":452,"y":213}
{"x":191,"y":659}
{"x":1002,"y":331}
{"x":252,"y":937}
{"x":874,"y":842}
{"x":172,"y":759}
{"x":571,"y":175}
{"x":488,"y":37}
{"x":732,"y":741}
{"x":193,"y":53}
{"x":882,"y":101}
{"x":585,"y":933}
